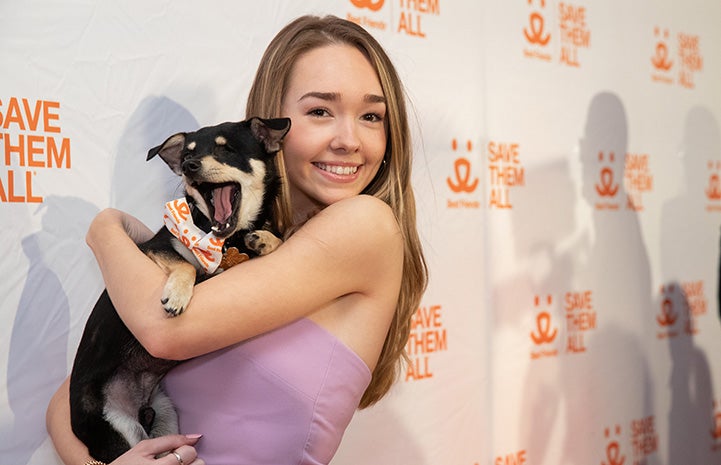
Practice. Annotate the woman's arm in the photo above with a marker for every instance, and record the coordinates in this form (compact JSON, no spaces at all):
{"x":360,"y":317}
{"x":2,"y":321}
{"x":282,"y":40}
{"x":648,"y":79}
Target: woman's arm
{"x":352,"y":247}
{"x":73,"y":452}
{"x":70,"y":449}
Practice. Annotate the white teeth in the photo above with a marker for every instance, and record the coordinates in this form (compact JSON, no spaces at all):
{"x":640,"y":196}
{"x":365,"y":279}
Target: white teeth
{"x":341,"y":170}
{"x":216,"y":228}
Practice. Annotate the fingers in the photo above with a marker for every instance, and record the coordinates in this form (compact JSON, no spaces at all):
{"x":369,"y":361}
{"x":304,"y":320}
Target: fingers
{"x":176,"y":449}
{"x":183,"y":455}
{"x":162,"y":444}
{"x":135,"y":228}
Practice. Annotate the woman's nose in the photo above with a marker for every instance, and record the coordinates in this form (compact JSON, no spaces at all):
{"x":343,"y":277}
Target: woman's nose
{"x":346,"y":138}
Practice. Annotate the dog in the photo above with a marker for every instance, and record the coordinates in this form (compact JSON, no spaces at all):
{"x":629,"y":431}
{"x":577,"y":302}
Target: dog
{"x":230,"y":182}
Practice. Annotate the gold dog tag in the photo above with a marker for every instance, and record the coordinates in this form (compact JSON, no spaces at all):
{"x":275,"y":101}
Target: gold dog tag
{"x":232,"y":257}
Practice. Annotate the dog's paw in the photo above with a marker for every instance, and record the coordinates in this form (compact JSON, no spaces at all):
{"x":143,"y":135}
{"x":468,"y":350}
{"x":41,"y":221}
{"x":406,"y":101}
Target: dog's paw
{"x":262,"y":242}
{"x":176,"y":296}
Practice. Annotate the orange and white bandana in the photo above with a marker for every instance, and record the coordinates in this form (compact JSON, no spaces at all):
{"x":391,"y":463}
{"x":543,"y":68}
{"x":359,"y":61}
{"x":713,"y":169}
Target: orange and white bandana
{"x":207,"y":248}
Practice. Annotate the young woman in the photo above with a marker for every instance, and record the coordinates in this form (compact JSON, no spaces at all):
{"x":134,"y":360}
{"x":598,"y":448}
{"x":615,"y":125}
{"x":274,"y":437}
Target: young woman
{"x":287,"y":346}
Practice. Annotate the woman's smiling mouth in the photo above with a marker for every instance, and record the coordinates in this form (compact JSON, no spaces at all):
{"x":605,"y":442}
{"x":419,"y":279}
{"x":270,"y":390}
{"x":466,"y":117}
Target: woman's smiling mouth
{"x":337,"y":169}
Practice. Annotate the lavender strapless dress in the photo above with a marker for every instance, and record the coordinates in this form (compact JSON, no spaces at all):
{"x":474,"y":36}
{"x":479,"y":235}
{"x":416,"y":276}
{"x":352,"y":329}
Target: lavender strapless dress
{"x":284,"y":397}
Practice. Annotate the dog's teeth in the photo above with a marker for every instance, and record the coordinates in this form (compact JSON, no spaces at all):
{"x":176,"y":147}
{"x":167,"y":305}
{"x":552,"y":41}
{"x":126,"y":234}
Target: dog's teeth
{"x":227,"y":225}
{"x":215,"y":229}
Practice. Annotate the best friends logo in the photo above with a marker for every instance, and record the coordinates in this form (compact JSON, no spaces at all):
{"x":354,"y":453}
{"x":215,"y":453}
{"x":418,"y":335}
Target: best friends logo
{"x":715,"y":429}
{"x":573,"y":33}
{"x":713,"y":189}
{"x":683,"y":65}
{"x":463,"y":182}
{"x":637,"y":178}
{"x":31,"y":141}
{"x":670,"y":309}
{"x":409,"y":19}
{"x":544,"y":334}
{"x":640,"y":442}
{"x":580,"y":317}
{"x":607,"y":184}
{"x":681,"y":305}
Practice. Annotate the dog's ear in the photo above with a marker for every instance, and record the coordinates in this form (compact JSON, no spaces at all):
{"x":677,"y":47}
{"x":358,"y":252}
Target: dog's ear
{"x":270,"y":131}
{"x":170,"y":151}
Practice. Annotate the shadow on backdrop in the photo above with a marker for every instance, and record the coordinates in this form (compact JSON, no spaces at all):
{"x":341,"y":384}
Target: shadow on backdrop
{"x":689,"y":256}
{"x":37,"y":361}
{"x":605,"y":382}
{"x":142,"y":187}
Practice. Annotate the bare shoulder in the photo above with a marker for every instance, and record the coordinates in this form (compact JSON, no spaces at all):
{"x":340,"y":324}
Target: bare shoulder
{"x":360,"y":215}
{"x":359,"y":235}
{"x":363,"y":241}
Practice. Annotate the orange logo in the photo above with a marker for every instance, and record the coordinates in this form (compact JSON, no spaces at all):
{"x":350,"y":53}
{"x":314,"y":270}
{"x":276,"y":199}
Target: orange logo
{"x":370,"y":4}
{"x":613,"y":449}
{"x":668,"y":316}
{"x":713,"y":191}
{"x":716,"y":427}
{"x":543,"y":332}
{"x":716,"y":430}
{"x":463,"y":182}
{"x":462,"y":169}
{"x":536,"y":23}
{"x":606,"y":186}
{"x":661,"y":60}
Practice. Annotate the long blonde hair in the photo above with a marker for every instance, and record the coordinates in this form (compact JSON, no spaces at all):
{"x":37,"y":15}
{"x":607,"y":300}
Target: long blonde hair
{"x":392,"y":184}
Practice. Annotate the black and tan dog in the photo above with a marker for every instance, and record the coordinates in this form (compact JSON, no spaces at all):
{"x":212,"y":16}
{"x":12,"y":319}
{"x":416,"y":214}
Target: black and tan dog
{"x":230,"y":184}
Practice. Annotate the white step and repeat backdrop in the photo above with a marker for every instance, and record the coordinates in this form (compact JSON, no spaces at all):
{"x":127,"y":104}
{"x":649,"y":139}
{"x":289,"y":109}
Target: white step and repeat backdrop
{"x":567,"y":168}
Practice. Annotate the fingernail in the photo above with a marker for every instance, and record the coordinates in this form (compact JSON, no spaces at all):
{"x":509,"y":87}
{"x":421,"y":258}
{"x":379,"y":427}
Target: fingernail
{"x":193,"y":436}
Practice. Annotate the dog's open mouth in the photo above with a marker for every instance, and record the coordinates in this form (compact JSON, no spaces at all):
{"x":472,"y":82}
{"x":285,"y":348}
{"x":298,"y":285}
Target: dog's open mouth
{"x":223,"y":200}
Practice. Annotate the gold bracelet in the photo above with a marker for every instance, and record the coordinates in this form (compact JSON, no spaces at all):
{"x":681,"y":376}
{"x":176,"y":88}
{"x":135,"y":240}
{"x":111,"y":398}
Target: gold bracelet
{"x":94,"y":462}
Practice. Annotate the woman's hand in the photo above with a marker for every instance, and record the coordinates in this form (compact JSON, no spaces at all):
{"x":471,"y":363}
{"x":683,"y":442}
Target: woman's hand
{"x":72,"y":451}
{"x":179,"y":448}
{"x":113,"y":218}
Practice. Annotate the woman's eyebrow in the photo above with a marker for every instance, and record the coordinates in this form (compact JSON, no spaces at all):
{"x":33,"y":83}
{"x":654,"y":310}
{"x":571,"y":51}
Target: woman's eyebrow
{"x":335,"y":96}
{"x":329,"y":96}
{"x":373,"y":98}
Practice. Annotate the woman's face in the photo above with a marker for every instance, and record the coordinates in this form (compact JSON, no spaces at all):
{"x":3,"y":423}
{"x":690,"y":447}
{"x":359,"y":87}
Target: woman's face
{"x":337,"y":137}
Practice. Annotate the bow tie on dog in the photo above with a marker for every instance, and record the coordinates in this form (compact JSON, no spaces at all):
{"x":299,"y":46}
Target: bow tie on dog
{"x":207,"y":248}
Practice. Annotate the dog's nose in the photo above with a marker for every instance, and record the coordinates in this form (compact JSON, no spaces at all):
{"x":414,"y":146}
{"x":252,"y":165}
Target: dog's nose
{"x":191,"y":165}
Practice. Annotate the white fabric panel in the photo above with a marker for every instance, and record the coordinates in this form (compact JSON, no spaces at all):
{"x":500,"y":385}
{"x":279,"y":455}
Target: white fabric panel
{"x":567,"y":177}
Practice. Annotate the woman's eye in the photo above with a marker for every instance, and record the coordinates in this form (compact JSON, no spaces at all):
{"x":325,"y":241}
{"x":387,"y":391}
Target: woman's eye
{"x":318,"y":112}
{"x":372,"y":117}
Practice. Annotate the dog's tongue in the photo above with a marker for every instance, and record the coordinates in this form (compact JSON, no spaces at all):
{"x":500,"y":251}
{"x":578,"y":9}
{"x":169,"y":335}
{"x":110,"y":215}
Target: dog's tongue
{"x":222,"y":201}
